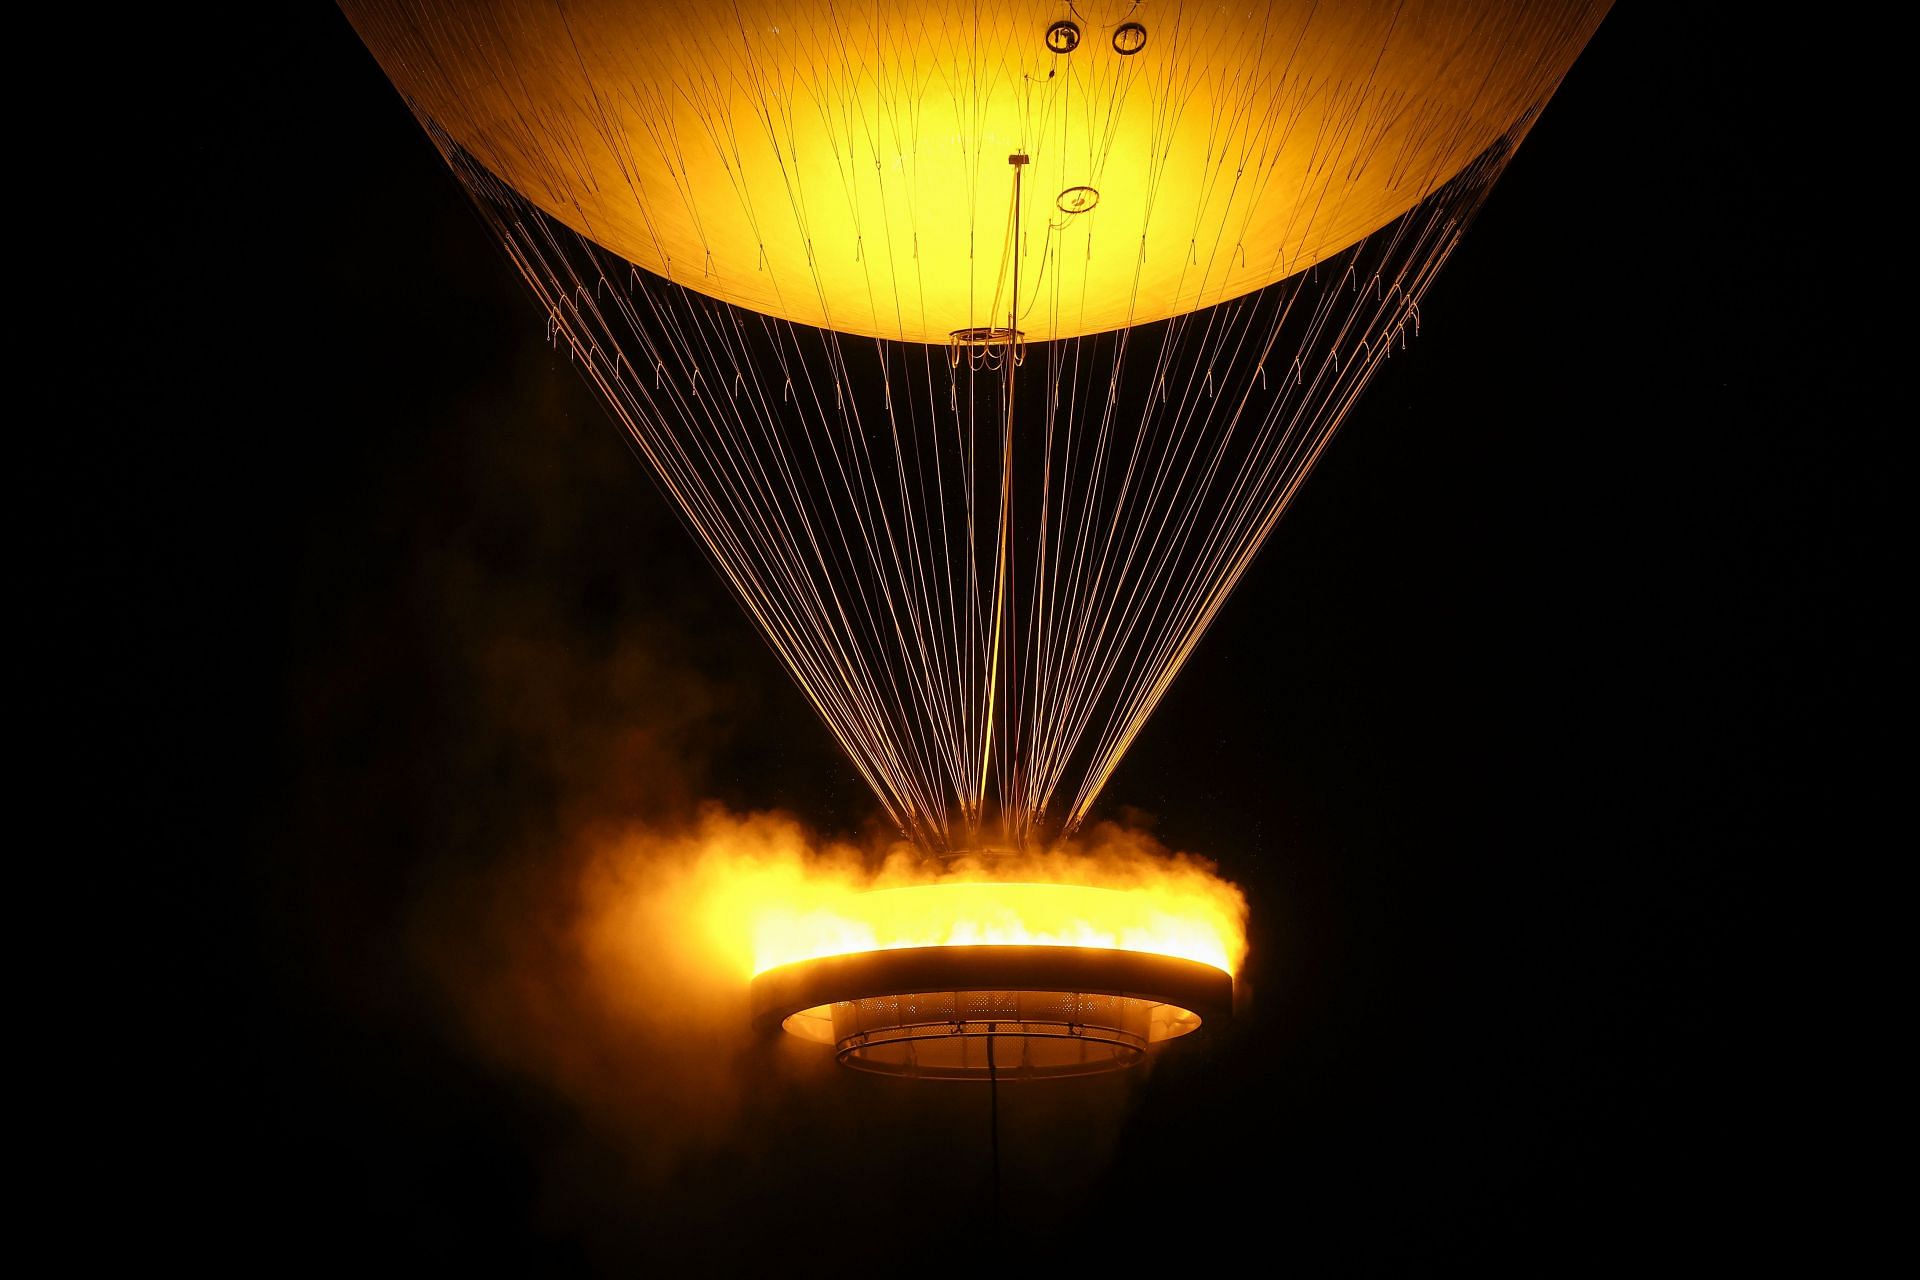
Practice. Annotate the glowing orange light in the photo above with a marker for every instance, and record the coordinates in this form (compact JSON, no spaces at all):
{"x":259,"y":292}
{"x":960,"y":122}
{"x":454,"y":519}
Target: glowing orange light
{"x":1193,"y":916}
{"x":734,"y":898}
{"x":751,"y":916}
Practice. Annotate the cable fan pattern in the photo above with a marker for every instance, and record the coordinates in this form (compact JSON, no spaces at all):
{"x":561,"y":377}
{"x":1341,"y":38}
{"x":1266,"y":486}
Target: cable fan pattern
{"x":980,"y":358}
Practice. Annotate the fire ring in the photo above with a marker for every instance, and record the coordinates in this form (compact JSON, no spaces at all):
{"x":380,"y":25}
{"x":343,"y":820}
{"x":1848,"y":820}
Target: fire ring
{"x":991,"y":1012}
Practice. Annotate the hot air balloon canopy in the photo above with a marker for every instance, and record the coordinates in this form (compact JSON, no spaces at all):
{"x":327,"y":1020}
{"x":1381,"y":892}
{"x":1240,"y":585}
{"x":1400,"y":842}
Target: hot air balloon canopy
{"x":802,"y":250}
{"x":847,"y":166}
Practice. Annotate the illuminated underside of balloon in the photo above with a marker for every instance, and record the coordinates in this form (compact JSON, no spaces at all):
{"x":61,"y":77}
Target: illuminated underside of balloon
{"x":981,"y":344}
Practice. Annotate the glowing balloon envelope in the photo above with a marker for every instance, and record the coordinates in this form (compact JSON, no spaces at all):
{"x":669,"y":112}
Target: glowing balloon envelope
{"x":845,"y":166}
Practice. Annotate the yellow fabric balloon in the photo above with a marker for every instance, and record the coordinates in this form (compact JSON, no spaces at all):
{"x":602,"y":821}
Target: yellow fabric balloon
{"x":847,"y":166}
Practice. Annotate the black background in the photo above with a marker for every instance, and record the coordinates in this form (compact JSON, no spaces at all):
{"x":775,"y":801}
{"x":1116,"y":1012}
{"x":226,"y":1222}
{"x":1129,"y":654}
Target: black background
{"x":1502,"y":734}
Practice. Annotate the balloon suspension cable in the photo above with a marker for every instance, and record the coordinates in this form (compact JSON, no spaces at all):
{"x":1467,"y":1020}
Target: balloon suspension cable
{"x":841,"y":483}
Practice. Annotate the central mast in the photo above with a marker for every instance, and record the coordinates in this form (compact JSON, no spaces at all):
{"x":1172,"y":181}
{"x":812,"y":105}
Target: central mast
{"x":1018,"y":160}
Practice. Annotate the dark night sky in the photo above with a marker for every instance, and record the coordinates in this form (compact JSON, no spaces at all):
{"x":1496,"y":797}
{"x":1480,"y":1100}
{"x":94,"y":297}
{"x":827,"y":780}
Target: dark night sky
{"x":1502,"y":733}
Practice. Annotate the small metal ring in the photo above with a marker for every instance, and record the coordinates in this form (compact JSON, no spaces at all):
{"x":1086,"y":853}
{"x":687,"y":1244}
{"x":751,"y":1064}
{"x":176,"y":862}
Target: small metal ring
{"x":985,"y":336}
{"x":1063,"y":36}
{"x":1129,"y":38}
{"x":1078,"y":199}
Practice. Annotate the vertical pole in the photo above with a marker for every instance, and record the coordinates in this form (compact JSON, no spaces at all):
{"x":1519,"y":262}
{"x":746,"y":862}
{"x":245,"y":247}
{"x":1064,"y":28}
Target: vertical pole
{"x":1018,"y":160}
{"x":993,"y":1120}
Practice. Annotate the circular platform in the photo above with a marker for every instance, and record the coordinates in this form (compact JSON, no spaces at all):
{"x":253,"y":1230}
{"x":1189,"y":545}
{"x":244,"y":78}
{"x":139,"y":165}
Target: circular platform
{"x":991,"y":1012}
